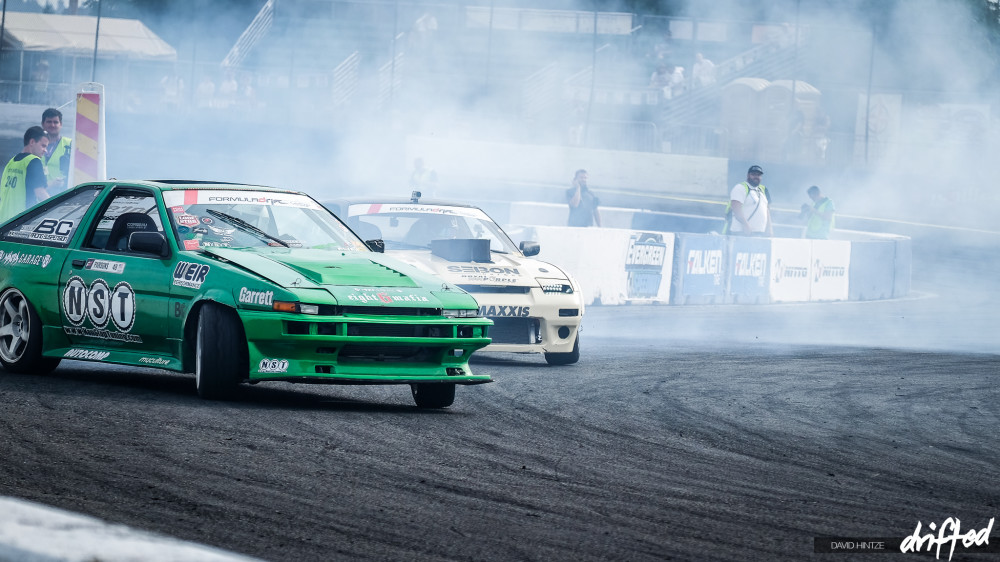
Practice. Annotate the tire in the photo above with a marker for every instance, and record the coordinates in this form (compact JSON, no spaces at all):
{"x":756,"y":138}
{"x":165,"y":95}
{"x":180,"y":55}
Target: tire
{"x":220,"y":353}
{"x":433,"y":395}
{"x":21,"y":336}
{"x":565,"y":358}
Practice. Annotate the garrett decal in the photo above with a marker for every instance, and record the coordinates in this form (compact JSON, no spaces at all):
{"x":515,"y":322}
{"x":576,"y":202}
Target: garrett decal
{"x":273,"y":366}
{"x":190,"y":275}
{"x":505,"y":311}
{"x":262,"y":298}
{"x":89,"y":354}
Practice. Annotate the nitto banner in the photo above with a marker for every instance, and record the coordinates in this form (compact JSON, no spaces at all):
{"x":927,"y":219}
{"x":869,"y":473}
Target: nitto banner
{"x":790,"y":262}
{"x":830,"y":273}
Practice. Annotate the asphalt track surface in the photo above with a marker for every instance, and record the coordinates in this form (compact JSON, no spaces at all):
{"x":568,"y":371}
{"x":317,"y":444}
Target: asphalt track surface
{"x":685,"y":433}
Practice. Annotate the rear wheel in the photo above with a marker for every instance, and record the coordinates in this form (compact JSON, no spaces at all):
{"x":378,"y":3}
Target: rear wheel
{"x":433,"y":395}
{"x":21,"y":336}
{"x":221,"y":353}
{"x":565,"y":358}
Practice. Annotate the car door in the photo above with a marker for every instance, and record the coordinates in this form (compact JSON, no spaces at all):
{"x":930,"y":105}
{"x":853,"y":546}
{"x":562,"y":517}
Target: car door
{"x":113,"y":296}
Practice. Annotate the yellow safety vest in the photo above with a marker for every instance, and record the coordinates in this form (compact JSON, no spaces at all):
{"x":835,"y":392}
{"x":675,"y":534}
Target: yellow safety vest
{"x":13,"y":184}
{"x":53,"y":168}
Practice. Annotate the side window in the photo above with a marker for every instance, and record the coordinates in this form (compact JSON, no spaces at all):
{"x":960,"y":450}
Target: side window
{"x":54,"y":223}
{"x":127,"y":211}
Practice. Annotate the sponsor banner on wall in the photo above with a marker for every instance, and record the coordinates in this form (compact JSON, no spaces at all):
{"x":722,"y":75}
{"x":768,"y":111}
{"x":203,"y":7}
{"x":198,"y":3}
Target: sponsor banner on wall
{"x":613,"y":266}
{"x":790,"y":264}
{"x":830,"y":273}
{"x":749,"y":269}
{"x":701,"y":271}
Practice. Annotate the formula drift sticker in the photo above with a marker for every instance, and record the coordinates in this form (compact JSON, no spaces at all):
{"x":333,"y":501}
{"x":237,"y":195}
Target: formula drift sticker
{"x":190,"y":275}
{"x":100,"y":304}
{"x":273,"y":366}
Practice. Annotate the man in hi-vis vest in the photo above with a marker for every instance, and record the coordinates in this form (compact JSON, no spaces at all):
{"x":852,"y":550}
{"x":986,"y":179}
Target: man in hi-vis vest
{"x":56,"y":158}
{"x":23,"y":182}
{"x":748,"y":201}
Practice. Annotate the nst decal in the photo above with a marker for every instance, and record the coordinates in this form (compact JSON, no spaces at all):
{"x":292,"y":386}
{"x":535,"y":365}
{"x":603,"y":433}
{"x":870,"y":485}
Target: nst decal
{"x":644,"y":262}
{"x":272,"y":366}
{"x":100,"y":304}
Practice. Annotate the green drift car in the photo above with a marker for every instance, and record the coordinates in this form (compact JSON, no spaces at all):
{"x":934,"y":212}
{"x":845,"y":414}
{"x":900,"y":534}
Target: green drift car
{"x":235,"y":283}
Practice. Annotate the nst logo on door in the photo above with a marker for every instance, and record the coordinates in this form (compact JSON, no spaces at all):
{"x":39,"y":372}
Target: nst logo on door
{"x":100,"y":303}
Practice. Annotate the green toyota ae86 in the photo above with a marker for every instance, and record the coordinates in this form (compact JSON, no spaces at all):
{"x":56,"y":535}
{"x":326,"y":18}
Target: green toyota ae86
{"x":236,"y":283}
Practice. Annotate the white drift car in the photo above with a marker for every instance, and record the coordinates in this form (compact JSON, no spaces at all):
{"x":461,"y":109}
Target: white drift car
{"x":535,"y":306}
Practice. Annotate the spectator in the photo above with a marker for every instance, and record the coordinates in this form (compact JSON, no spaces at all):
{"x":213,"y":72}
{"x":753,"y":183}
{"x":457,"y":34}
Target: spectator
{"x":205,"y":93}
{"x":23,"y":182}
{"x":662,"y":80}
{"x":423,"y":179}
{"x":703,"y":71}
{"x":748,"y":203}
{"x":228,"y":89}
{"x":40,"y":81}
{"x":819,"y":215}
{"x":582,"y":202}
{"x":57,"y":155}
{"x":677,"y":81}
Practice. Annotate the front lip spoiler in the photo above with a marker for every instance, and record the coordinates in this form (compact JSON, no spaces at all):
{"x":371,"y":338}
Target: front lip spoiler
{"x":333,"y":379}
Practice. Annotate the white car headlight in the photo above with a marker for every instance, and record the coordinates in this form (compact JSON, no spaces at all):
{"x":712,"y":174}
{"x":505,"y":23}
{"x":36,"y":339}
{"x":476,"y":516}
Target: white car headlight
{"x":555,"y":285}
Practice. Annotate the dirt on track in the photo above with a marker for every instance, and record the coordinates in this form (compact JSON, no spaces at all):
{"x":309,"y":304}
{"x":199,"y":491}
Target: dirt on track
{"x":643,"y":451}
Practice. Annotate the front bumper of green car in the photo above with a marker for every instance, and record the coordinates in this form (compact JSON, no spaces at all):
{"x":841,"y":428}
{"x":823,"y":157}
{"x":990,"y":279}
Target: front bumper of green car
{"x":363,"y":349}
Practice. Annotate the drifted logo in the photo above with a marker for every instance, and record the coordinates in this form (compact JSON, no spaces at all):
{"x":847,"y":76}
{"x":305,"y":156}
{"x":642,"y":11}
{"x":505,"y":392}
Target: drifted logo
{"x":828,"y":272}
{"x":262,"y":298}
{"x":917,"y":542}
{"x":90,"y":354}
{"x":273,"y":366}
{"x":190,"y":275}
{"x":505,"y":311}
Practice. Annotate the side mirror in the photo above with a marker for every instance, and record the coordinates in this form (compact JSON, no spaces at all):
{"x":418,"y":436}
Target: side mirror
{"x":377,"y":245}
{"x":148,"y":243}
{"x":530,"y":248}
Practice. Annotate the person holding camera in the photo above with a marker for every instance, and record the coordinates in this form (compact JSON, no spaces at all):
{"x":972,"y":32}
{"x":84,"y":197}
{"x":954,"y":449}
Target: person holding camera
{"x":819,"y":215}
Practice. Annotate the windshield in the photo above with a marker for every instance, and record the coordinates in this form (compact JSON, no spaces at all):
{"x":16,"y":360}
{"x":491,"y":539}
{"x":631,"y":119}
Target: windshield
{"x":413,"y":226}
{"x":246,"y":219}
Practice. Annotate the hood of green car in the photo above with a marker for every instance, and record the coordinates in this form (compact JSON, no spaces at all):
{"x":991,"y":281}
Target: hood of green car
{"x":303,"y":268}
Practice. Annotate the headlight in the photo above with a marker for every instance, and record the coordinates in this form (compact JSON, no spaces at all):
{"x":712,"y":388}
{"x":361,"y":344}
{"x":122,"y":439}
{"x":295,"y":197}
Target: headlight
{"x":461,"y":313}
{"x":555,"y":285}
{"x":286,"y":306}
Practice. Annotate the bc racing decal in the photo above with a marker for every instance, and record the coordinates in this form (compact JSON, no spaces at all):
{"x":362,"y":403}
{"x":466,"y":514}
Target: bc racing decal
{"x":49,"y":230}
{"x":505,"y":311}
{"x":99,"y":304}
{"x":190,"y":275}
{"x":18,"y":258}
{"x":89,"y":354}
{"x":105,"y":265}
{"x":262,"y":298}
{"x":273,"y":366}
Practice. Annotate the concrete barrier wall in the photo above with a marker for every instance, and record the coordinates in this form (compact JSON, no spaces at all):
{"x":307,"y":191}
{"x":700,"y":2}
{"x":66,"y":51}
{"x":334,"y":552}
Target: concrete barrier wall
{"x":618,"y":266}
{"x":458,"y":158}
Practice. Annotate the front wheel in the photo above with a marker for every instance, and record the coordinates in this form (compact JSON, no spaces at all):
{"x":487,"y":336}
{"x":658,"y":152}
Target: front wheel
{"x":433,"y":395}
{"x":565,"y":358}
{"x":221,"y":354}
{"x":21,"y":336}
